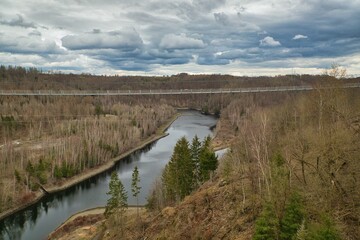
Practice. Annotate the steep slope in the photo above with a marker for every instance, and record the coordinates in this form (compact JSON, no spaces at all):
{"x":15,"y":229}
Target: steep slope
{"x":292,"y":173}
{"x":218,"y":210}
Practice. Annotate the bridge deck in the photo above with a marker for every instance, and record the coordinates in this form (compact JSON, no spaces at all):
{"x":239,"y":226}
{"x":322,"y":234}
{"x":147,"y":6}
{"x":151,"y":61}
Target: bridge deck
{"x":159,"y":92}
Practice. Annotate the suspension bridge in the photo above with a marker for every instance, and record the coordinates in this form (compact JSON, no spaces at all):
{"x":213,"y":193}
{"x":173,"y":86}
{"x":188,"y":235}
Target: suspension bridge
{"x":163,"y":91}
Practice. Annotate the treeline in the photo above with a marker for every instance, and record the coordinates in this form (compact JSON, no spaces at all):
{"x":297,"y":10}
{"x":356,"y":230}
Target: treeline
{"x":46,"y":140}
{"x":189,"y":167}
{"x":33,"y":79}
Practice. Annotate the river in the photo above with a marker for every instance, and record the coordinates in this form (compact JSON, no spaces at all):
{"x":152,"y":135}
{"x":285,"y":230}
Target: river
{"x":37,"y":221}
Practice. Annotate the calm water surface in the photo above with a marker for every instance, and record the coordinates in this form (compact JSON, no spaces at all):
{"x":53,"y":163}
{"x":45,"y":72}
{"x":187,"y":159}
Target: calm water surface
{"x":39,"y":220}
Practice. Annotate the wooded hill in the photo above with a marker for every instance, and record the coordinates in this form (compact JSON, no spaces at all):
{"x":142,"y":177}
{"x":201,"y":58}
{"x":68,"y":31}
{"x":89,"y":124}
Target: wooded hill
{"x":33,"y":79}
{"x":293,"y":172}
{"x":45,"y":141}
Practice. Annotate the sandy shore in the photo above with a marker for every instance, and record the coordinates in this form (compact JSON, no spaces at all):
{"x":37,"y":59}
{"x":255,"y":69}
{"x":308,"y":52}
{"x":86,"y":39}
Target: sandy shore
{"x":90,"y":172}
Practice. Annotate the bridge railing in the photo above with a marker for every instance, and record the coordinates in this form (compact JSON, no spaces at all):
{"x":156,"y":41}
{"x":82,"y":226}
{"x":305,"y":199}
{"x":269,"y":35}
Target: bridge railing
{"x":160,"y":91}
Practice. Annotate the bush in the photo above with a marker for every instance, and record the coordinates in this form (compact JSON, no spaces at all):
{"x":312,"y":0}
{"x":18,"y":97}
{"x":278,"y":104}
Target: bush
{"x":325,"y":230}
{"x":269,"y":226}
{"x":266,"y":224}
{"x":293,"y":217}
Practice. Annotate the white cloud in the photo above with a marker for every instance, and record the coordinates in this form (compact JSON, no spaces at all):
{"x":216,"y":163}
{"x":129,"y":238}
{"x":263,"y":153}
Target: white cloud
{"x":99,"y":40}
{"x":299,"y":36}
{"x":173,"y":41}
{"x":32,"y":44}
{"x":269,"y":42}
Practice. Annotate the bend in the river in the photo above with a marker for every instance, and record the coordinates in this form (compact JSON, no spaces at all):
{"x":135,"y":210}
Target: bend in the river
{"x":37,"y":221}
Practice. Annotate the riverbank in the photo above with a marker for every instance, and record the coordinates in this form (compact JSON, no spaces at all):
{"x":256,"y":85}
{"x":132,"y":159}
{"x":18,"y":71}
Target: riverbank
{"x":88,"y":224}
{"x":160,"y":133}
{"x":80,"y":225}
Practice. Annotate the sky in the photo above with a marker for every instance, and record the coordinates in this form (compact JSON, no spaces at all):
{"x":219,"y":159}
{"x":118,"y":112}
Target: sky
{"x":165,"y":37}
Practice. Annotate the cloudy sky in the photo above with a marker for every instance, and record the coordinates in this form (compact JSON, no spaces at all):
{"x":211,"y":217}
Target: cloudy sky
{"x":162,"y":37}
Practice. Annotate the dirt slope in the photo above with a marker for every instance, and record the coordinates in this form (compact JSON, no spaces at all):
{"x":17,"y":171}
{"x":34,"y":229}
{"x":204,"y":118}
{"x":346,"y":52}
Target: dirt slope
{"x":216,"y":211}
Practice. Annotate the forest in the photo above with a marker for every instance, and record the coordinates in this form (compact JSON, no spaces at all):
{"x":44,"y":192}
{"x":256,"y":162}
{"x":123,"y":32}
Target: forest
{"x":292,"y":171}
{"x":45,"y":141}
{"x":16,"y":77}
{"x":300,"y":158}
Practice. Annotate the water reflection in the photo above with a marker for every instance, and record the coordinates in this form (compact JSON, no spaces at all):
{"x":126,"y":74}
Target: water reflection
{"x":37,"y":221}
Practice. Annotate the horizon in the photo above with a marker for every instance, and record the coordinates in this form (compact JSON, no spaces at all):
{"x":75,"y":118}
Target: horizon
{"x":321,"y":73}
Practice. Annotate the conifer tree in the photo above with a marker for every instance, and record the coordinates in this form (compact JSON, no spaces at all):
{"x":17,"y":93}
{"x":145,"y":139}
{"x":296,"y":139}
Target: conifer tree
{"x":266,"y":224}
{"x":186,"y":178}
{"x":195,"y":158}
{"x":168,"y":181}
{"x":118,"y":197}
{"x":293,"y":218}
{"x":188,"y":167}
{"x":135,"y":188}
{"x":325,"y":230}
{"x":208,"y":160}
{"x":178,"y":174}
{"x":282,"y":216}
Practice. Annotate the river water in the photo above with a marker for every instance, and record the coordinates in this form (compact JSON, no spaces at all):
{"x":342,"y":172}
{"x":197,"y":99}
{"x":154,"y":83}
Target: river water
{"x":37,"y":221}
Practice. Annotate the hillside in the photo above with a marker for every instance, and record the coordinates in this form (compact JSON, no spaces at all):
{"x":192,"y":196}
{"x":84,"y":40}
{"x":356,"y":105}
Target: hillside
{"x":49,"y":142}
{"x":13,"y":77}
{"x":293,"y":172}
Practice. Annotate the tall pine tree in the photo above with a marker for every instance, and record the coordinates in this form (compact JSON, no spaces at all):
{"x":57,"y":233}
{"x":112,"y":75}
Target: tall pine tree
{"x":178,"y":174}
{"x":135,"y":188}
{"x":188,"y":167}
{"x":208,"y":160}
{"x":118,"y":196}
{"x":195,"y":151}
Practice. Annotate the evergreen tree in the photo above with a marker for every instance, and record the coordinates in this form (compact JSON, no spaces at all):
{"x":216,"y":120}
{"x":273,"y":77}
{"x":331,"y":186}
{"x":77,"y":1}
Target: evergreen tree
{"x":279,"y":190}
{"x":188,"y":167}
{"x":282,"y":216}
{"x":118,"y":196}
{"x":266,"y":224}
{"x":57,"y":172}
{"x":208,"y":160}
{"x":168,"y":180}
{"x":30,"y":168}
{"x":178,"y":174}
{"x":135,"y":188}
{"x":195,"y":158}
{"x":326,"y":230}
{"x":293,"y":217}
{"x":186,"y":177}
